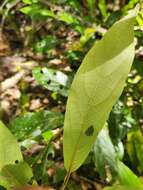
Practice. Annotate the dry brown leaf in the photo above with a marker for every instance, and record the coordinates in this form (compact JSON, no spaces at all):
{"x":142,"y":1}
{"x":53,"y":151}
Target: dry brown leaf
{"x":4,"y":45}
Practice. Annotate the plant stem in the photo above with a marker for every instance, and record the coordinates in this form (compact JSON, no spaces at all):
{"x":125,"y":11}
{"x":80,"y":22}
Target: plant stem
{"x":66,"y":180}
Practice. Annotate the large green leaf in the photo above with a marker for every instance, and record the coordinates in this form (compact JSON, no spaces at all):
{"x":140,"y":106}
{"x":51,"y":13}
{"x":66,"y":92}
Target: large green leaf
{"x":97,"y":86}
{"x":9,"y":148}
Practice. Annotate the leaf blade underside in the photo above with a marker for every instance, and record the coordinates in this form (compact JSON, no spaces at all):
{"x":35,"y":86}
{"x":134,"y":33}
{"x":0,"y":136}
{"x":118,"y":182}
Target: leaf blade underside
{"x":97,"y":85}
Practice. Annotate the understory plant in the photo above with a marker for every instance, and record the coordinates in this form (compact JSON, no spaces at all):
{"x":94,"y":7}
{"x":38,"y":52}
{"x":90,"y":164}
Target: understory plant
{"x":97,"y":86}
{"x":95,"y":89}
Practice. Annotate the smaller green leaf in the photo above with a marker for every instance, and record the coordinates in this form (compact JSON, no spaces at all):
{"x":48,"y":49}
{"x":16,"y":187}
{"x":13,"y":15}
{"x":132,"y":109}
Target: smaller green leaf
{"x":26,"y":10}
{"x":47,"y":135}
{"x":46,"y":12}
{"x":140,"y":19}
{"x":52,"y":79}
{"x":67,"y":18}
{"x":16,"y":175}
{"x":88,"y":33}
{"x":105,"y":154}
{"x":35,"y":123}
{"x":9,"y":148}
{"x":36,"y":12}
{"x":29,"y":2}
{"x":47,"y":43}
{"x":127,"y":177}
{"x":113,"y":17}
{"x":130,"y":5}
{"x":103,"y":8}
{"x":71,"y":20}
{"x":119,"y":121}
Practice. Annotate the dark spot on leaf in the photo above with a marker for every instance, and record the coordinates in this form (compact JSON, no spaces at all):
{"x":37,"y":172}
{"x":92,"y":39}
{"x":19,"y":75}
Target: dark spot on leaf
{"x":54,"y":73}
{"x":16,"y":161}
{"x":41,"y":71}
{"x":49,"y":81}
{"x":89,"y":131}
{"x":61,"y":86}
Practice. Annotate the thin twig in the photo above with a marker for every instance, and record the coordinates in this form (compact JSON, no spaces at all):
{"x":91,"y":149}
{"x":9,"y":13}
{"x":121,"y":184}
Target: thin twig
{"x":12,"y":81}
